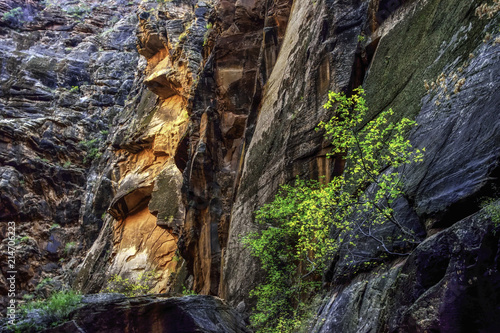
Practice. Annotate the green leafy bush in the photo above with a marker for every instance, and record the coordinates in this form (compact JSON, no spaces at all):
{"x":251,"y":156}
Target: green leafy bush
{"x":295,"y":242}
{"x":13,"y":15}
{"x":141,"y":286}
{"x":40,"y":314}
{"x":187,"y":292}
{"x":93,"y":149}
{"x":492,"y":210}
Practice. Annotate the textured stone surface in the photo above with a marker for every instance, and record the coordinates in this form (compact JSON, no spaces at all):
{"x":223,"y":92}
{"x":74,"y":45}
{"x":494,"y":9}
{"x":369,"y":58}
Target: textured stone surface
{"x":455,"y":125}
{"x":284,"y":143}
{"x":66,"y":69}
{"x":450,"y":283}
{"x":242,"y":50}
{"x":155,"y":314}
{"x":146,"y":211}
{"x":434,"y":290}
{"x":219,"y":109}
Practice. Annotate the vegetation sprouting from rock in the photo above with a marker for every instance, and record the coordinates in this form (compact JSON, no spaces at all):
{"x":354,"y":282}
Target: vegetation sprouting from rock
{"x":296,"y":241}
{"x":36,"y":315}
{"x":130,"y":288}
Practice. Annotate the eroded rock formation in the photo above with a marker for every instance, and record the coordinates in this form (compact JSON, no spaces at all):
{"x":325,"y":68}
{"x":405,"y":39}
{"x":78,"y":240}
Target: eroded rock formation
{"x":150,"y":132}
{"x":66,"y":70}
{"x":112,"y":313}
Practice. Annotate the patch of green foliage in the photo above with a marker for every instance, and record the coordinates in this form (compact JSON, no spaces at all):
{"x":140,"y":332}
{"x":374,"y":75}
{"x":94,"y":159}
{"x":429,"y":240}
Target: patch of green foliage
{"x":492,"y":210}
{"x":187,"y":292}
{"x":141,"y":286}
{"x":54,"y":226}
{"x":295,"y":242}
{"x":50,"y":312}
{"x":69,"y":247}
{"x":43,"y":283}
{"x":209,"y":27}
{"x":19,"y":240}
{"x":74,"y":89}
{"x":78,"y":11}
{"x":92,"y":148}
{"x":15,"y":14}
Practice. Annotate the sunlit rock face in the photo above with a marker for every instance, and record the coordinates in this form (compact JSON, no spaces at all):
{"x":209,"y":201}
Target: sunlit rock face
{"x":141,"y":137}
{"x":146,"y":213}
{"x":242,"y":51}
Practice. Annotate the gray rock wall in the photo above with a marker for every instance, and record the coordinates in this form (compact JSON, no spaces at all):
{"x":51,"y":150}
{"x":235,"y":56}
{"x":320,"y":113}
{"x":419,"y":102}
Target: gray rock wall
{"x":66,"y":69}
{"x":458,"y":126}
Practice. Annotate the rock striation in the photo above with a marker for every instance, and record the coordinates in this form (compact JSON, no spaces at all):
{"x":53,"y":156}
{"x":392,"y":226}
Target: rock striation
{"x":66,"y":70}
{"x":142,"y":136}
{"x":154,"y":314}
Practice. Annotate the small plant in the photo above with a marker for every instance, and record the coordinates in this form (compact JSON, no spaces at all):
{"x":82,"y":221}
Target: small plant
{"x":141,"y":286}
{"x":24,"y":239}
{"x":209,"y":27}
{"x":492,"y":210}
{"x":43,"y":283}
{"x":15,"y":14}
{"x":92,"y":154}
{"x":54,"y":226}
{"x":74,"y":89}
{"x":50,"y":312}
{"x":361,"y":38}
{"x":67,"y":164}
{"x":92,"y":148}
{"x":69,"y":247}
{"x":78,"y":11}
{"x":104,"y":132}
{"x":187,"y":292}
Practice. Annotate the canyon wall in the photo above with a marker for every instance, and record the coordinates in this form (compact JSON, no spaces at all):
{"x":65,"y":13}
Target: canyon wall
{"x":141,"y":137}
{"x":66,"y":71}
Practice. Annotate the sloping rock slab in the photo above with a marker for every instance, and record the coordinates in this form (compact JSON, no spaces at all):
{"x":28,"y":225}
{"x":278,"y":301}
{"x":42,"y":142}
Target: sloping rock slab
{"x":154,"y":314}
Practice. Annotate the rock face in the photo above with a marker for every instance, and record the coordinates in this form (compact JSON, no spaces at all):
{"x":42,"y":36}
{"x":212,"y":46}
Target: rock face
{"x":153,"y":314}
{"x":284,"y":143}
{"x":146,"y":212}
{"x":224,"y":109}
{"x":459,"y":170}
{"x":450,"y":283}
{"x":66,"y":70}
{"x":145,"y":135}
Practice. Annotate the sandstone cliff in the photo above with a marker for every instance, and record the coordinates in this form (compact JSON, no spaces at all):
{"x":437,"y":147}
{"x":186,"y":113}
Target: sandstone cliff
{"x":141,"y":137}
